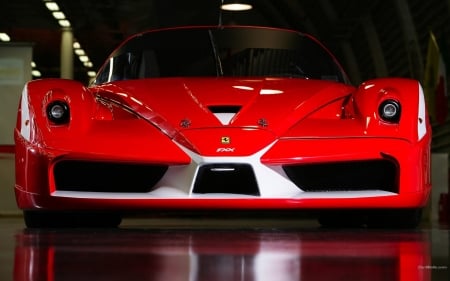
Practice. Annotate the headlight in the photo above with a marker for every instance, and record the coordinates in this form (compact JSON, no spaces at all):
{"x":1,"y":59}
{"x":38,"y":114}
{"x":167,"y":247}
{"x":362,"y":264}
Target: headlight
{"x":389,"y":111}
{"x":58,"y":112}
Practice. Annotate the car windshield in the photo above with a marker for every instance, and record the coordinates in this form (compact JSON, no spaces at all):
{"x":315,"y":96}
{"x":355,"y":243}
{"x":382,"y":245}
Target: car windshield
{"x":220,"y":52}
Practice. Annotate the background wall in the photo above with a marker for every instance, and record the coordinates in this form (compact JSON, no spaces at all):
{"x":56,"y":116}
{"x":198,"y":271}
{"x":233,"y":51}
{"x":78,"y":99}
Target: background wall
{"x":15,"y":71}
{"x":7,"y":200}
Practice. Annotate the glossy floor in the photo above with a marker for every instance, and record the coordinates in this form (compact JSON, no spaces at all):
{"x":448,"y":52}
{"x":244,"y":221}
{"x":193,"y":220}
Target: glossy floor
{"x":200,"y":248}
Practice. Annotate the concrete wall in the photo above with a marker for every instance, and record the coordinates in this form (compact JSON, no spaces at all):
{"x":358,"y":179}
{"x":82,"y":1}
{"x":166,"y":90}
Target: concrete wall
{"x":7,"y":199}
{"x":439,"y":180}
{"x":15,"y":71}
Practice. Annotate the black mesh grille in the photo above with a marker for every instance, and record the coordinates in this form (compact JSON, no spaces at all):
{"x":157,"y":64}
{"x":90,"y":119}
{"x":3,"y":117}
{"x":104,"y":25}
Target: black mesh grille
{"x":226,"y":178}
{"x":106,"y":177}
{"x":345,"y":176}
{"x":224,"y":108}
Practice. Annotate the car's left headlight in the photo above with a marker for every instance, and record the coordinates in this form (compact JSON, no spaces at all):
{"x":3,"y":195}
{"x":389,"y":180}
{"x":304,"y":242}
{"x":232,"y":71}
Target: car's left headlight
{"x":58,"y":112}
{"x":390,"y":110}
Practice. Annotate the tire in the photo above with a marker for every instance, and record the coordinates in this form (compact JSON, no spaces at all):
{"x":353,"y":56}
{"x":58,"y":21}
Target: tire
{"x":53,"y":219}
{"x":395,"y":218}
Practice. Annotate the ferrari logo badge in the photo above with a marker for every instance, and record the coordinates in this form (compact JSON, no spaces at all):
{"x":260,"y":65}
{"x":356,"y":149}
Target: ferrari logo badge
{"x":226,"y":140}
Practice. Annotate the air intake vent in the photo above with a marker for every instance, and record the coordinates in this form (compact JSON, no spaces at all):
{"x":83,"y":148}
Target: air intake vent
{"x":106,"y":176}
{"x":224,"y":108}
{"x":226,"y":178}
{"x":224,"y":112}
{"x":345,"y":176}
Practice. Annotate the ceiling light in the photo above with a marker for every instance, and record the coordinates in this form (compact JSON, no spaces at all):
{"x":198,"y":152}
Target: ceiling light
{"x":88,"y":64}
{"x":4,"y":37}
{"x":64,"y":23}
{"x":76,"y":45}
{"x":91,"y":73}
{"x":235,"y":6}
{"x":80,"y":52}
{"x":52,"y":6}
{"x":84,"y":58}
{"x":36,"y":73}
{"x":59,"y":15}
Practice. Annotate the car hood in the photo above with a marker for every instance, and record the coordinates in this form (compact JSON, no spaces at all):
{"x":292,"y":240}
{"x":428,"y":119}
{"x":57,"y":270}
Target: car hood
{"x":178,"y":104}
{"x":203,"y":113}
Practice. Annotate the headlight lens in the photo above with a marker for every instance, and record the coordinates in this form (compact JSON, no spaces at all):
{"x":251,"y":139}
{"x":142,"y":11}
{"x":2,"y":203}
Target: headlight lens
{"x":389,"y":110}
{"x":58,"y":112}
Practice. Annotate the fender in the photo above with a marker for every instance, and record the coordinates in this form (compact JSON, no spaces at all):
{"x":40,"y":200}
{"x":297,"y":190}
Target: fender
{"x":38,"y":94}
{"x":413,"y":123}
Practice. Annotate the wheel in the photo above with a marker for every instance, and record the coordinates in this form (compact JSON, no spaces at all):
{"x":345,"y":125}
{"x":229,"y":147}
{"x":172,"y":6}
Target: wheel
{"x":54,"y":219}
{"x":395,"y":218}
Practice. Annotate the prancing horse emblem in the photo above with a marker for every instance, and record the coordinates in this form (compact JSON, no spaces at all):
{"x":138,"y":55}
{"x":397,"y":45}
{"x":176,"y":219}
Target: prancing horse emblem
{"x":225,"y":140}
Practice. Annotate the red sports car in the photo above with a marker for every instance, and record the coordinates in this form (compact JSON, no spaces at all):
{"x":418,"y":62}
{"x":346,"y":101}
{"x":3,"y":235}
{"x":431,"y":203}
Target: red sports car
{"x":222,"y":118}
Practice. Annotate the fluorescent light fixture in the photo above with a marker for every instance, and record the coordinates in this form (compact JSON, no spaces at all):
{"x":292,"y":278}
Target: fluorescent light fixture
{"x":59,"y":15}
{"x":80,"y":52}
{"x":84,"y":58}
{"x":4,"y":37}
{"x":235,"y":6}
{"x":36,"y":73}
{"x":52,"y":6}
{"x":64,"y":23}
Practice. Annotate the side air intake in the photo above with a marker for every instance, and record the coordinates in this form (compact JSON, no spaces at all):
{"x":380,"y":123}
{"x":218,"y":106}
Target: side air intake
{"x":106,"y":176}
{"x":345,"y":176}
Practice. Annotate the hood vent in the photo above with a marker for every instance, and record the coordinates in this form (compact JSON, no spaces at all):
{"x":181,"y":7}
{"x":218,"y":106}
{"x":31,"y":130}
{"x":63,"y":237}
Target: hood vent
{"x":224,"y":113}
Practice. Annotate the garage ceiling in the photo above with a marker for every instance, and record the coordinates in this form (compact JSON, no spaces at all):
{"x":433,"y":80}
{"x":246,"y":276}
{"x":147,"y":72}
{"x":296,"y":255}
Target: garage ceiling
{"x":101,"y":25}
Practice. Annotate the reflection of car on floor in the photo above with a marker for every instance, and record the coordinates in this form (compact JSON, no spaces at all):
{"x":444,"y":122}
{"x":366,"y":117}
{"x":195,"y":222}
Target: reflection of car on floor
{"x":169,"y":254}
{"x":222,"y":118}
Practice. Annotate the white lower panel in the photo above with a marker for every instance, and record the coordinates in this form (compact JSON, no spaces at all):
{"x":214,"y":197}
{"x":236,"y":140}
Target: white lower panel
{"x":172,"y":193}
{"x":178,"y":183}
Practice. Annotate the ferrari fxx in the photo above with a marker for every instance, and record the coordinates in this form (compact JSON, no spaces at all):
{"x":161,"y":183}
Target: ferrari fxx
{"x":226,"y":118}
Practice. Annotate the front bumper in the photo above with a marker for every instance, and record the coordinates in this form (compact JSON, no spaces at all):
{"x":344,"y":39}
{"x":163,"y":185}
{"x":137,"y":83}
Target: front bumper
{"x":176,"y":189}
